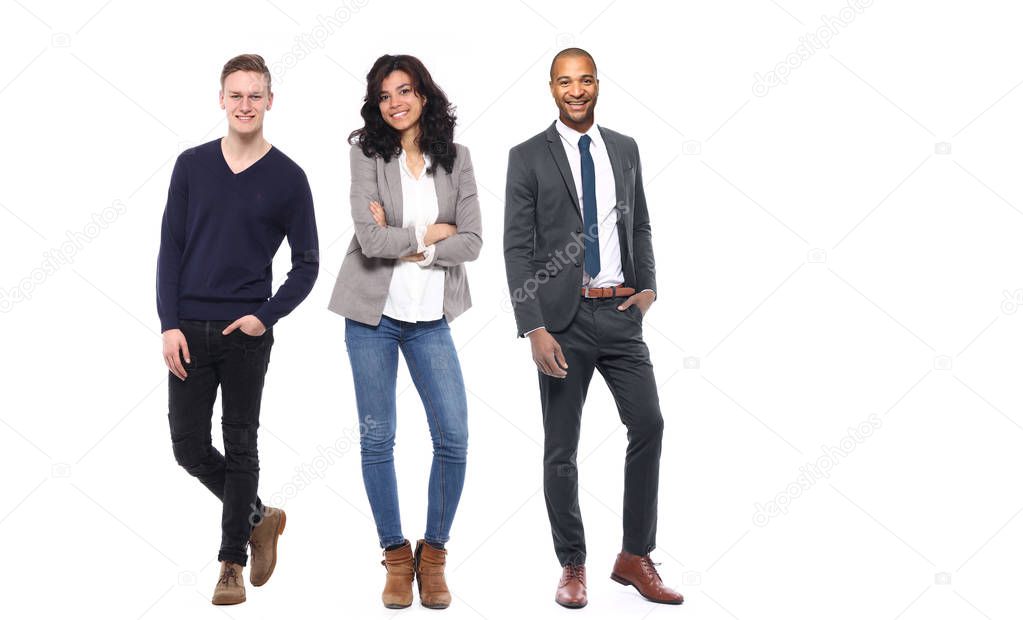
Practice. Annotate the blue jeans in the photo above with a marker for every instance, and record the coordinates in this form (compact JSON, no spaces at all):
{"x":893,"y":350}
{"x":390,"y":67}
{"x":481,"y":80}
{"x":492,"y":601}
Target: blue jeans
{"x":433,"y":363}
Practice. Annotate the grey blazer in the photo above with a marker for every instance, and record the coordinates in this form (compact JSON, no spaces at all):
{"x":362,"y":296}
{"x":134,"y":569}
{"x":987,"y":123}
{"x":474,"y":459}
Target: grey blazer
{"x":360,"y":291}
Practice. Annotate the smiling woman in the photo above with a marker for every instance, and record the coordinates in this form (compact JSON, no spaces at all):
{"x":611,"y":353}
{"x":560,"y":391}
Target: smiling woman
{"x":417,"y":220}
{"x":401,"y":93}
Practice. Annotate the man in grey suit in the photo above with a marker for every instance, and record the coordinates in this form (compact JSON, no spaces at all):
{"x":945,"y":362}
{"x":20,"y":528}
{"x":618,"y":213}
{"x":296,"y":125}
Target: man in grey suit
{"x":580,"y":267}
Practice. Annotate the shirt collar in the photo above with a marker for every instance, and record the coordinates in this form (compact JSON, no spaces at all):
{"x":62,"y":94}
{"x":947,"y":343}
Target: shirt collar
{"x":572,"y":136}
{"x":404,"y":166}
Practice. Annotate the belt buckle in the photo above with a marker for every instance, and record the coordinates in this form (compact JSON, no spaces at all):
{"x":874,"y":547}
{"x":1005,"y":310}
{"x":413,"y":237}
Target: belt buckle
{"x":586,"y":295}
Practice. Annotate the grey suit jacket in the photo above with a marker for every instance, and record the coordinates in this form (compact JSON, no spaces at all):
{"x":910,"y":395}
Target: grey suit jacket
{"x":360,"y":291}
{"x":543,"y":228}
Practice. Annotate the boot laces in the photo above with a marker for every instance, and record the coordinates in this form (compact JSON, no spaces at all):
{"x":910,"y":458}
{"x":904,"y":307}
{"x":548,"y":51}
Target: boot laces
{"x":229,"y":575}
{"x":576,"y":572}
{"x":650,"y":567}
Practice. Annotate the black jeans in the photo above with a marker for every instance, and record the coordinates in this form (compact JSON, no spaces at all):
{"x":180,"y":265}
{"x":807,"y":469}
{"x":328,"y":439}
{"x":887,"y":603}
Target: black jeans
{"x":602,"y":337}
{"x":236,"y":363}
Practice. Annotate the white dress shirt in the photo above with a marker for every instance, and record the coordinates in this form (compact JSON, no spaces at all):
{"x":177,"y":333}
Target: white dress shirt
{"x":607,"y":216}
{"x":416,"y":292}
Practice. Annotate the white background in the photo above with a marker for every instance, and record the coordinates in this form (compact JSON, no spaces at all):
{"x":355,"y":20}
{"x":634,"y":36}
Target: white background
{"x":821,"y":260}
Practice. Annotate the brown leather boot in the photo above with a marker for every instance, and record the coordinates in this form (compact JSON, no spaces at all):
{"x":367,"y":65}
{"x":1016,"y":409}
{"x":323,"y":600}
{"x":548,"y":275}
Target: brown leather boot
{"x":640,"y":572}
{"x":230,"y":589}
{"x":572,"y":587}
{"x":433,"y":589}
{"x":263,"y":542}
{"x":400,"y":573}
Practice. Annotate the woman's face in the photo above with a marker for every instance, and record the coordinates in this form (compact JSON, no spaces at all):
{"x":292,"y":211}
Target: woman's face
{"x":400,"y":105}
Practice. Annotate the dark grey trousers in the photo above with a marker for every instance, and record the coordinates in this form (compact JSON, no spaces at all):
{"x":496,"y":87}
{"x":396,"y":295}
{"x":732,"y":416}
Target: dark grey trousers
{"x":602,"y":337}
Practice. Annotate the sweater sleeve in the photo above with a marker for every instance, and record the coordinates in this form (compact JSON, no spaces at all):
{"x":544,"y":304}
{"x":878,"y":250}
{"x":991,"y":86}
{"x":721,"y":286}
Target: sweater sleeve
{"x":172,"y":244}
{"x":305,"y":257}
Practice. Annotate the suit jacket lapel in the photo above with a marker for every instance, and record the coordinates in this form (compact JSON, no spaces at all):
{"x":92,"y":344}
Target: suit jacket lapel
{"x":392,"y":179}
{"x":616,"y":165}
{"x":557,"y":150}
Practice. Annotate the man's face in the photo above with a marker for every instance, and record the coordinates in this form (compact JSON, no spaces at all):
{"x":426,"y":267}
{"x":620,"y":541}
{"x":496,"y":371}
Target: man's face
{"x":574,"y":87}
{"x":246,"y":98}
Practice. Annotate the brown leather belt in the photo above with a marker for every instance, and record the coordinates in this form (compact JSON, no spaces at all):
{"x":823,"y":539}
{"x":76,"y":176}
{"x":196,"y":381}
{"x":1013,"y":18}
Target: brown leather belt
{"x":607,"y":291}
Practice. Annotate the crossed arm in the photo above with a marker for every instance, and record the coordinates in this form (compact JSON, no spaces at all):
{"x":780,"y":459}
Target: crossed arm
{"x":441,"y":244}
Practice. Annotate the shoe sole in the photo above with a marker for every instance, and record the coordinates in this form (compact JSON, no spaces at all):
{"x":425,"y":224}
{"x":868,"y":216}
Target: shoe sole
{"x":396,"y":606}
{"x":434,"y":606}
{"x":273,"y":562}
{"x":571,"y":605}
{"x":626,"y":582}
{"x":229,"y":602}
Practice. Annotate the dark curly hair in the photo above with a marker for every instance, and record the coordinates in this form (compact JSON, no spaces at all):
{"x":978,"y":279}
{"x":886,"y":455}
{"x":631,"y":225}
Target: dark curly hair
{"x":436,"y":125}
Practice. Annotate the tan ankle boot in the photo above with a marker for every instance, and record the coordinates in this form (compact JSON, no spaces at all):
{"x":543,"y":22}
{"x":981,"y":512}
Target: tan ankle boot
{"x":230,"y":590}
{"x":400,"y":573}
{"x":263,"y":542}
{"x":433,"y":589}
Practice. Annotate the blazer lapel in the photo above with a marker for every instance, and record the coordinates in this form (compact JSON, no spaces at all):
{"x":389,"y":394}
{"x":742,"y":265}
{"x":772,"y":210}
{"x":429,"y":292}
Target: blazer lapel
{"x":392,"y":179}
{"x":557,"y":150}
{"x":442,"y":184}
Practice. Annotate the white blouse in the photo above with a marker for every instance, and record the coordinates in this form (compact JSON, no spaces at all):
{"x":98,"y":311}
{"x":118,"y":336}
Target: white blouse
{"x":417,"y":288}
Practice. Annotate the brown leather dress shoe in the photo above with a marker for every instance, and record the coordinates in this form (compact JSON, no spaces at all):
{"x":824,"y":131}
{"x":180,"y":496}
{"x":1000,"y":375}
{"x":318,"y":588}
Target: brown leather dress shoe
{"x":433,"y":589}
{"x":572,"y":587}
{"x":263,"y":542}
{"x":230,"y":590}
{"x":640,"y":572}
{"x":400,"y":573}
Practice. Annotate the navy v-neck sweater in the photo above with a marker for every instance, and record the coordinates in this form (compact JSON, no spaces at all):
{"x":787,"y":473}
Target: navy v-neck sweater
{"x":221,"y":231}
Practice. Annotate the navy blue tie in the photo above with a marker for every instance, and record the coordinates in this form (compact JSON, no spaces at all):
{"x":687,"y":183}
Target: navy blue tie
{"x":591,"y":243}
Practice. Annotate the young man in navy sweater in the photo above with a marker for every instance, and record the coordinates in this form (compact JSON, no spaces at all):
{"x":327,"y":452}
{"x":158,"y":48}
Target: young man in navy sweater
{"x":231,"y":202}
